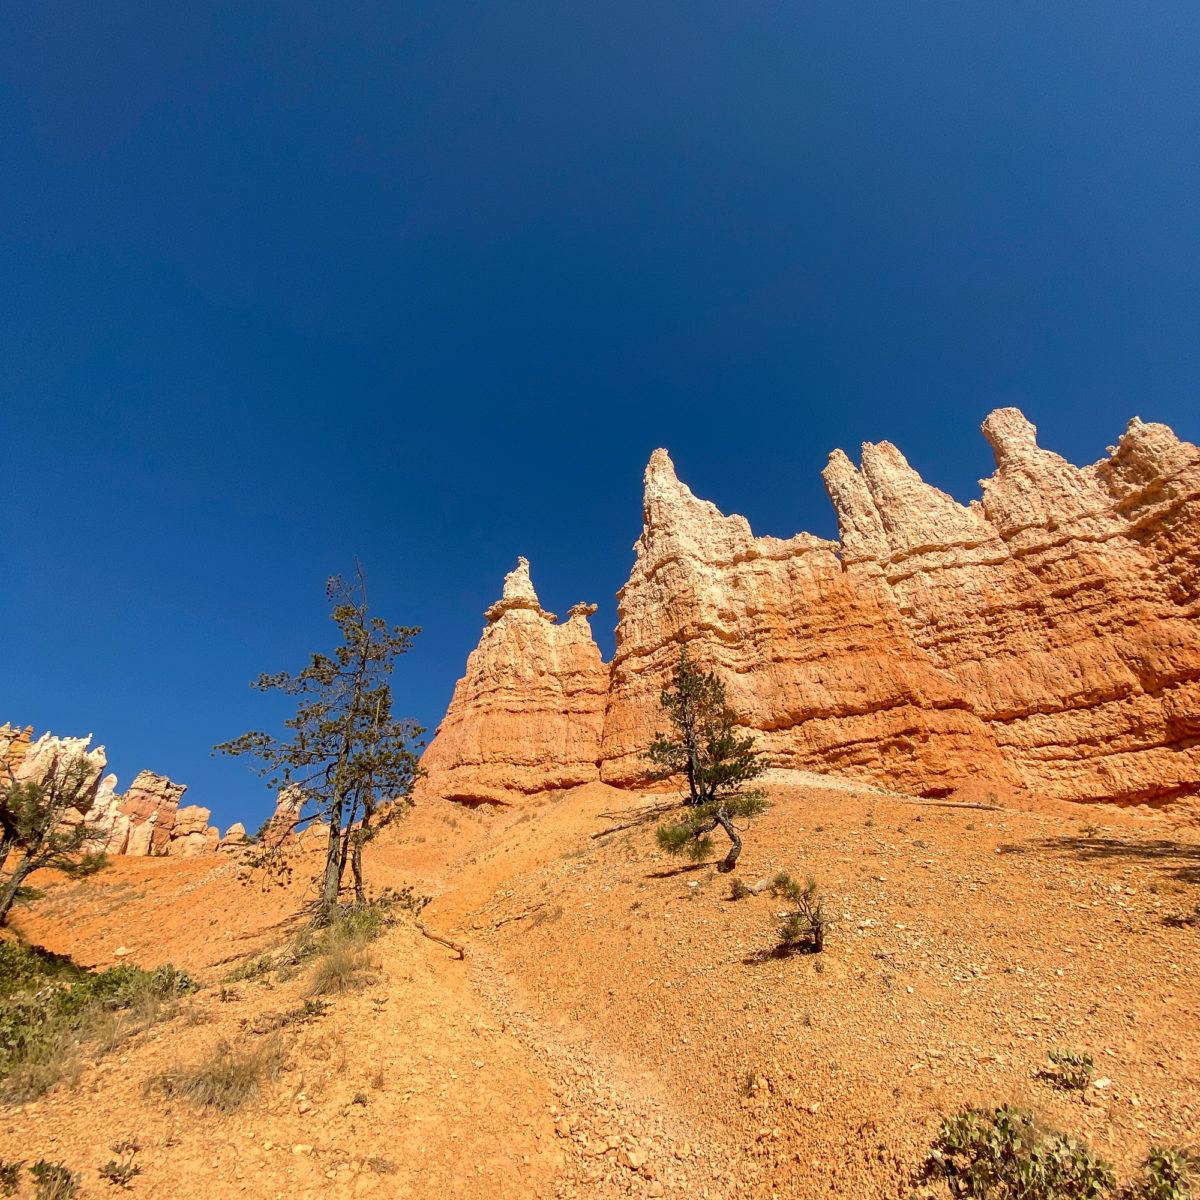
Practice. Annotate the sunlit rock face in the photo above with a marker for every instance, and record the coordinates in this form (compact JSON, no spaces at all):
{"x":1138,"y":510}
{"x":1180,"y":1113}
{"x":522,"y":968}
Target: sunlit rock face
{"x":1063,"y":603}
{"x":145,"y":820}
{"x":820,"y":664}
{"x":28,"y":761}
{"x":527,"y":715}
{"x":1040,"y":642}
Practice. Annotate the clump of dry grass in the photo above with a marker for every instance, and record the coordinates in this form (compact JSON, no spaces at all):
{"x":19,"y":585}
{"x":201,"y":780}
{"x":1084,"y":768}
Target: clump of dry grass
{"x":227,"y":1079}
{"x":341,"y":959}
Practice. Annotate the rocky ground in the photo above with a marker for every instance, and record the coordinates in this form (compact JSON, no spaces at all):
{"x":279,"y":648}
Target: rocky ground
{"x":620,"y":1025}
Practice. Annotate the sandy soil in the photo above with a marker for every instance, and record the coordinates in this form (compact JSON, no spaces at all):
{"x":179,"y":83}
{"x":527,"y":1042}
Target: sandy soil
{"x":620,"y":1026}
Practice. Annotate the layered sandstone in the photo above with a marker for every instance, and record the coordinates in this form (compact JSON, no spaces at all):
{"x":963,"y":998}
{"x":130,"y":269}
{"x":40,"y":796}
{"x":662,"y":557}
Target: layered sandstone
{"x":1063,"y":602}
{"x":527,"y":715}
{"x":1041,"y":641}
{"x":818,"y":663}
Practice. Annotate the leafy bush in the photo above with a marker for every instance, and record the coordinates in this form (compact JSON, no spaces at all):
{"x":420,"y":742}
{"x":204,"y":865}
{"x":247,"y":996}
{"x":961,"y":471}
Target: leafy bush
{"x":50,"y":1005}
{"x":1168,"y":1173}
{"x":227,"y":1079}
{"x":1006,"y":1155}
{"x":804,"y":925}
{"x":122,"y":1170}
{"x":1072,"y":1071}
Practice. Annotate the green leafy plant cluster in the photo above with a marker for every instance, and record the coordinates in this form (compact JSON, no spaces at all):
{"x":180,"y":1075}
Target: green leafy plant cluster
{"x":121,"y":1170}
{"x":1004,"y":1154}
{"x":49,"y":1005}
{"x":1169,"y":1173}
{"x":1072,"y":1069}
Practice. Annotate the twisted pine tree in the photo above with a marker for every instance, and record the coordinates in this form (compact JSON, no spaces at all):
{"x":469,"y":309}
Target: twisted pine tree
{"x":347,"y":755}
{"x":716,"y":760}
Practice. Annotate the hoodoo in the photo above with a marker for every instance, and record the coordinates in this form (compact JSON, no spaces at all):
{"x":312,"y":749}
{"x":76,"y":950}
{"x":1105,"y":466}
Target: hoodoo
{"x":1040,"y":642}
{"x":527,"y":715}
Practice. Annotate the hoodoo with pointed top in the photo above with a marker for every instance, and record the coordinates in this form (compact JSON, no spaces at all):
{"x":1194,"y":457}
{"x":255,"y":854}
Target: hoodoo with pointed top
{"x":526,"y":717}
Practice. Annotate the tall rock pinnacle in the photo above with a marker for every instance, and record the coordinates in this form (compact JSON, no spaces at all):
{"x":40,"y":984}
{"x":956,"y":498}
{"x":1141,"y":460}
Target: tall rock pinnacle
{"x":527,"y":715}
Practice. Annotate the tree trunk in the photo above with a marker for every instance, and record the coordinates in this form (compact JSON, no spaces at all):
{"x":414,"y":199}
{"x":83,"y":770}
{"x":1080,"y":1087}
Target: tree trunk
{"x":360,"y":894}
{"x":731,"y":858}
{"x":333,"y":858}
{"x":9,"y":894}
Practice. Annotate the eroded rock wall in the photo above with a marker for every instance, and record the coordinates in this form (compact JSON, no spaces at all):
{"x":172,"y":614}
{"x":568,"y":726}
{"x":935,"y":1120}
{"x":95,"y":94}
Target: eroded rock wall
{"x":1063,"y":602}
{"x":820,"y":664}
{"x":145,"y":820}
{"x":527,"y":715}
{"x":1040,"y":642}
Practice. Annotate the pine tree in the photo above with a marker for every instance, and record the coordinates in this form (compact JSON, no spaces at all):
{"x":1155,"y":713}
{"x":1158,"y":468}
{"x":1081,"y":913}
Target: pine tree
{"x":715,"y":759}
{"x":42,"y":824}
{"x":346,"y":755}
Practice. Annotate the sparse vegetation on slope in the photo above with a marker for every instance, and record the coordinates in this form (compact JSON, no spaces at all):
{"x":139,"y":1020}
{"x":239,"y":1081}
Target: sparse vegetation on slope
{"x":225,"y":1079}
{"x":1005,"y":1154}
{"x":50,"y":1008}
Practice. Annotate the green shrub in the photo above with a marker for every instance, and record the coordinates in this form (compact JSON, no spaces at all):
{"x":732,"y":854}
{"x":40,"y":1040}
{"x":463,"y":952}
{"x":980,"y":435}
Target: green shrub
{"x":802,"y":927}
{"x":1168,"y":1173}
{"x":1072,"y":1071}
{"x":1006,"y":1155}
{"x":49,"y":1006}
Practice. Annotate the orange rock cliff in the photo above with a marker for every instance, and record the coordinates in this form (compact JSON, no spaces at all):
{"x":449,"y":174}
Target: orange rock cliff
{"x":1041,"y":642}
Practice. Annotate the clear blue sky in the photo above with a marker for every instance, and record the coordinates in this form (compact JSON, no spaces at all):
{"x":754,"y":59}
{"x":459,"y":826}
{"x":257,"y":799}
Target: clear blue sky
{"x":282,"y":284}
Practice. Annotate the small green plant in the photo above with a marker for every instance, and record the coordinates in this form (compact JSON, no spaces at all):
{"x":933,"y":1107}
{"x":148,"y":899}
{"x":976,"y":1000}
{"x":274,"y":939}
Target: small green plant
{"x":53,"y":1181}
{"x":227,"y":1079}
{"x":10,"y":1176}
{"x":121,"y":1170}
{"x":803,"y":926}
{"x":1169,"y":1173}
{"x":1072,"y":1070}
{"x":1004,"y":1154}
{"x":738,"y":890}
{"x":252,"y":968}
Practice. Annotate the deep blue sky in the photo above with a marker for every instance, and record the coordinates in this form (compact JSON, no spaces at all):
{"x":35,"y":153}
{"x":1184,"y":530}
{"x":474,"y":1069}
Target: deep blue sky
{"x":426,"y":282}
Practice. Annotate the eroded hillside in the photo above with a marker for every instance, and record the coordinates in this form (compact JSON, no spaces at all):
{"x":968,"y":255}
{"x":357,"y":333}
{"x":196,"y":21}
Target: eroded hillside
{"x":619,"y":1025}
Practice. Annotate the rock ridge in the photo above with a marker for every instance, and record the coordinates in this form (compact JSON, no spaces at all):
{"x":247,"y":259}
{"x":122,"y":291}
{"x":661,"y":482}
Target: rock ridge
{"x":1039,"y":642}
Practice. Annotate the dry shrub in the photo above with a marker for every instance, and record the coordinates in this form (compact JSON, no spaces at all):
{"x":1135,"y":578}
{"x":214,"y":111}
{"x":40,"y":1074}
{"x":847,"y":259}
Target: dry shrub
{"x":227,"y":1079}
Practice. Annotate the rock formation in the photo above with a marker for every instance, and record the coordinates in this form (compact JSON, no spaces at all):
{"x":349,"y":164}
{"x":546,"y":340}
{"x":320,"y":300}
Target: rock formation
{"x":27,"y":761}
{"x":146,"y":820}
{"x":821,"y":666}
{"x":1063,"y":602}
{"x":1039,"y":642}
{"x":527,"y":715}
